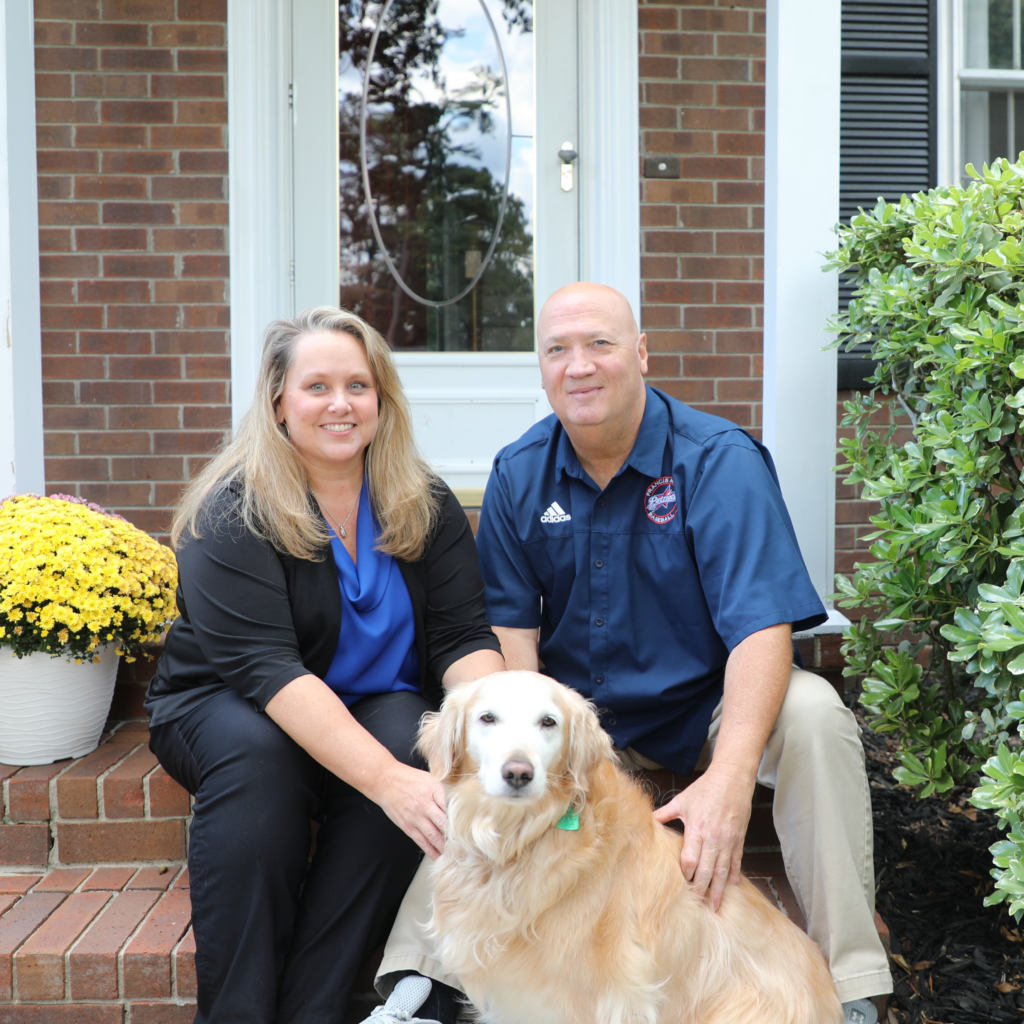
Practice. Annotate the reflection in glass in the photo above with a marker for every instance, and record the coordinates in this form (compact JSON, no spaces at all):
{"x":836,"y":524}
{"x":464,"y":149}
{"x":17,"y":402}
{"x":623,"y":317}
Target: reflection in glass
{"x":992,"y":120}
{"x":436,"y":147}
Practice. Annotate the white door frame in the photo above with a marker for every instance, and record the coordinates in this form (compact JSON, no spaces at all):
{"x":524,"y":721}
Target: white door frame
{"x":284,"y":191}
{"x":22,"y":467}
{"x":801,"y":208}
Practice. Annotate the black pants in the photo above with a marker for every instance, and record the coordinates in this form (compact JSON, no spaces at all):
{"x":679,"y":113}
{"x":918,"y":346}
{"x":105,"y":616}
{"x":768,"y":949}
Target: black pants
{"x":277,"y":943}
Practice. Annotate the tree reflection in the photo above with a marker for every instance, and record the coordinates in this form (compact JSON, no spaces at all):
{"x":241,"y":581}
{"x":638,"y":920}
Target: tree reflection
{"x":436,"y":204}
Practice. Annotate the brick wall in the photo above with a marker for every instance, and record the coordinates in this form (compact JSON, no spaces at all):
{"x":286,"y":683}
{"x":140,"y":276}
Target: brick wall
{"x":133,"y":216}
{"x":702,"y":101}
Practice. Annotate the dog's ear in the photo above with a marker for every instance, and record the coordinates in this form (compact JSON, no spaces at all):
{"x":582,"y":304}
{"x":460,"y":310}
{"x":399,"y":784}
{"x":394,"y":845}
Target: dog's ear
{"x":442,"y":738}
{"x":589,"y":744}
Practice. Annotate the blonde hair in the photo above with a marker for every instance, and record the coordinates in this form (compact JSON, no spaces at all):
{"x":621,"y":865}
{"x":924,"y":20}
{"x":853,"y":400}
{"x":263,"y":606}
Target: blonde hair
{"x":275,"y":497}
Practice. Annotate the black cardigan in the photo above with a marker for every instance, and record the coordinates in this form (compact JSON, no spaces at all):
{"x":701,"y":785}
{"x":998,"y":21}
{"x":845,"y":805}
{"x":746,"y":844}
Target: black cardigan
{"x":254,"y":619}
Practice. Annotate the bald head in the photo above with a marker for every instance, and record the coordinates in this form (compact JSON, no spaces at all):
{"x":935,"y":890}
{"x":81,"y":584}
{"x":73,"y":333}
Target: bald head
{"x":592,"y":362}
{"x":585,"y":301}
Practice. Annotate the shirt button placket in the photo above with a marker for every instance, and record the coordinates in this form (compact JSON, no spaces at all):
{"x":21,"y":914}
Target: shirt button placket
{"x":600,"y":592}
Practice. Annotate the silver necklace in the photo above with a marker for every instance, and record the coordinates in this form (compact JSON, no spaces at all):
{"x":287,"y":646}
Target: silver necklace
{"x":340,"y":528}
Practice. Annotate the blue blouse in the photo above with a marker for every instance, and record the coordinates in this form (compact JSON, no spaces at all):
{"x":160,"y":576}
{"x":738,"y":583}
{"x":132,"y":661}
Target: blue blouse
{"x":377,"y":642}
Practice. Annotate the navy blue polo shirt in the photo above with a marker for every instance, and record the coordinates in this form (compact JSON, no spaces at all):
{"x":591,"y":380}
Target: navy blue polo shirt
{"x":641,"y":590}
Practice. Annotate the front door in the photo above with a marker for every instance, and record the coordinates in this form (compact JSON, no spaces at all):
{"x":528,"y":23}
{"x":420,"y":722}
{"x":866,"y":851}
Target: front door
{"x":462,"y":185}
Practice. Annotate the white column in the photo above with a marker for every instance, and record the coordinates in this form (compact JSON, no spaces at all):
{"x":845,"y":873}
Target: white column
{"x":609,"y":163}
{"x":259,"y":182}
{"x":801,"y":208}
{"x":21,"y":389}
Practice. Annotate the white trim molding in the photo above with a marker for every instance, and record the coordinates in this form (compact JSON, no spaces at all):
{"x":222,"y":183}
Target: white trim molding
{"x":259,"y":183}
{"x":609,"y":163}
{"x":22,"y":468}
{"x":801,"y":208}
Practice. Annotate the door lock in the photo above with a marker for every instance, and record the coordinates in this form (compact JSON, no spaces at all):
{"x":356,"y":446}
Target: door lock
{"x":567,"y":155}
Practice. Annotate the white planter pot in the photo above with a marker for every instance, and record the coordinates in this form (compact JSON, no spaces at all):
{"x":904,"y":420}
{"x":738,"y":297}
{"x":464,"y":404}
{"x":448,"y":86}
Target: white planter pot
{"x":51,"y":708}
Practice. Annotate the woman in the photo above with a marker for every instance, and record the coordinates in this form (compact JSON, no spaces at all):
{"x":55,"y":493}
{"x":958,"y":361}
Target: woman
{"x":329,"y":589}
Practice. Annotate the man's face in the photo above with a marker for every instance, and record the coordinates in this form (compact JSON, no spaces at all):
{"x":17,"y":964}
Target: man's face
{"x":592,"y":360}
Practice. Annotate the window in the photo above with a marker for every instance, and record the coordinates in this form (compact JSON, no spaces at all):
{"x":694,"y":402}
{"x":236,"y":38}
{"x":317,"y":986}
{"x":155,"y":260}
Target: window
{"x":991,"y":82}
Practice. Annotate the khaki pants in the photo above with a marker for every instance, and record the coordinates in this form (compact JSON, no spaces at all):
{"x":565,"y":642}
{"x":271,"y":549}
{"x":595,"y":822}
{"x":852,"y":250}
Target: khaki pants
{"x":822,"y":809}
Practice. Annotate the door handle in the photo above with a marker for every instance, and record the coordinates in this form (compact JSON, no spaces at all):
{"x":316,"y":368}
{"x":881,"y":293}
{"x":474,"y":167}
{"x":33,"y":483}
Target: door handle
{"x":567,"y":155}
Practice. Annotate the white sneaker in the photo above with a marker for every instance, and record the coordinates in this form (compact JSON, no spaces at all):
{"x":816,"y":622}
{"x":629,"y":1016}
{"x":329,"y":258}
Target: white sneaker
{"x":407,"y":997}
{"x":857,"y":1011}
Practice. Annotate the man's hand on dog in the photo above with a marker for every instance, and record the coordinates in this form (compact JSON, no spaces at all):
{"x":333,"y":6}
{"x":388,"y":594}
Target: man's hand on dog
{"x":715,"y":811}
{"x":414,"y":801}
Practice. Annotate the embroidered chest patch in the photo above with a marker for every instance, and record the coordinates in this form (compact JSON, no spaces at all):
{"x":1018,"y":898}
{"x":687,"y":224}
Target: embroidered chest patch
{"x":660,"y":501}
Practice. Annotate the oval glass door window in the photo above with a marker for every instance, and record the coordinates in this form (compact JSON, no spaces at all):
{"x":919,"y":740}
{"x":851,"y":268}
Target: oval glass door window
{"x":437,"y":149}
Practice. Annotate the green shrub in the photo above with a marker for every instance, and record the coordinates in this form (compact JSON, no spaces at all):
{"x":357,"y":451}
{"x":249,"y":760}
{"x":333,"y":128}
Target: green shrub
{"x":940,"y":297}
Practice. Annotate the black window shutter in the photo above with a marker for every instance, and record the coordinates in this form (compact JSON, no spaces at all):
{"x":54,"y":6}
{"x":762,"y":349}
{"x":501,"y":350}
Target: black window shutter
{"x":887,"y":119}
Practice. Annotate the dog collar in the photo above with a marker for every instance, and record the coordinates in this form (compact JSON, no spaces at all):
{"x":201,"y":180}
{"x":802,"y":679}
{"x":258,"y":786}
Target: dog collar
{"x":570,"y":821}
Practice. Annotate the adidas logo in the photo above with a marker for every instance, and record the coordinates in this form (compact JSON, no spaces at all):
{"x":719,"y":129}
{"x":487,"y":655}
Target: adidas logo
{"x":555,"y":514}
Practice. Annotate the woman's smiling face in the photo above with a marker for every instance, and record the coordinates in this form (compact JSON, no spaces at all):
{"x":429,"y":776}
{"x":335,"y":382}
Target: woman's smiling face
{"x":329,"y":400}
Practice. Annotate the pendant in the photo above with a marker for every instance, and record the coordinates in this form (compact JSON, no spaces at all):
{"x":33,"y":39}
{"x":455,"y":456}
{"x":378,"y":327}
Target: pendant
{"x":344,"y":535}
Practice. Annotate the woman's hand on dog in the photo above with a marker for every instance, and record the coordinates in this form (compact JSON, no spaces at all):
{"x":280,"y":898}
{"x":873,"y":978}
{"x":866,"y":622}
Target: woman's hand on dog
{"x":714,"y":811}
{"x":414,"y":801}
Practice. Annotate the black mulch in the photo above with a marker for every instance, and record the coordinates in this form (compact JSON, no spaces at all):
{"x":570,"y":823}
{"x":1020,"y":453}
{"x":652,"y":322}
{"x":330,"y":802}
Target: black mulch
{"x":955,"y":961}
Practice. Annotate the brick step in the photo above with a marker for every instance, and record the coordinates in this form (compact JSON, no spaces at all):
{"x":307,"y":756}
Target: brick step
{"x":113,"y":945}
{"x":115,"y":805}
{"x":109,"y":945}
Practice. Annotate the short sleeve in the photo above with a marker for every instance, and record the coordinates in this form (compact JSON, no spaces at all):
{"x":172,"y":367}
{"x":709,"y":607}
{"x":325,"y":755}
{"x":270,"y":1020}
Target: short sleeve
{"x":512,"y":593}
{"x":751,"y":570}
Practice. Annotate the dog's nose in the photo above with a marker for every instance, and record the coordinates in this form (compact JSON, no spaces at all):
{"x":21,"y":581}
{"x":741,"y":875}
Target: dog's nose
{"x":517,"y":773}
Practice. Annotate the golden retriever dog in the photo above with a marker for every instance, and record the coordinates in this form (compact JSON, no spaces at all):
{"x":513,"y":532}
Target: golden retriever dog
{"x":544,"y":923}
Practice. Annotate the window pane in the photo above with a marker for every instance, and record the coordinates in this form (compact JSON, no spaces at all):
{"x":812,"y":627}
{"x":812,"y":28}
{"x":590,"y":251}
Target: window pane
{"x":992,"y":126}
{"x":436,"y":149}
{"x":989,"y":32}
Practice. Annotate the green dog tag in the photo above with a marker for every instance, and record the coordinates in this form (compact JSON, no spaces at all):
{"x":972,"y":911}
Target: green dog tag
{"x":570,"y":821}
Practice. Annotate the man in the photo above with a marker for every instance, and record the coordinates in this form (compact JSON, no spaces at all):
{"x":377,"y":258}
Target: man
{"x":642,"y":553}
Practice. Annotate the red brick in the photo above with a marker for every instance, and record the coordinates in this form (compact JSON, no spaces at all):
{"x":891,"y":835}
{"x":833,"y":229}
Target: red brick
{"x":188,"y":35}
{"x":190,"y":291}
{"x":67,"y":161}
{"x":185,"y":965}
{"x":716,"y":366}
{"x":114,"y":442}
{"x":206,"y":316}
{"x":138,"y":213}
{"x":62,"y":880}
{"x":76,"y":788}
{"x":156,"y":879}
{"x":72,"y":367}
{"x":123,"y":342}
{"x":120,"y":392}
{"x":110,"y":85}
{"x":108,"y":879}
{"x":135,"y":162}
{"x":115,"y":136}
{"x":85,"y":265}
{"x":741,"y":46}
{"x":121,"y":840}
{"x":713,"y":216}
{"x":59,"y":33}
{"x":202,"y":112}
{"x":137,"y":112}
{"x":659,"y":67}
{"x":51,"y":212}
{"x":664,"y":18}
{"x":213,"y":392}
{"x":65,"y":111}
{"x":114,"y":291}
{"x":736,"y":95}
{"x":57,"y":1013}
{"x":50,"y":136}
{"x":739,"y":341}
{"x":123,"y":795}
{"x":202,"y":60}
{"x":734,"y":268}
{"x":53,"y":85}
{"x":147,"y":958}
{"x":143,"y":317}
{"x":145,"y":417}
{"x":29,"y":792}
{"x":705,"y":19}
{"x":136,"y":60}
{"x":717,"y":316}
{"x":64,"y":58}
{"x":60,"y":470}
{"x":179,"y":187}
{"x":17,"y":925}
{"x":185,"y":239}
{"x":92,"y":964}
{"x":736,"y":242}
{"x":202,"y":10}
{"x":112,"y":34}
{"x":678,"y":291}
{"x":688,"y":390}
{"x":110,"y":186}
{"x":166,"y":798}
{"x":203,"y":162}
{"x":182,"y":881}
{"x":40,"y":961}
{"x":163,"y":1013}
{"x":184,"y":442}
{"x":24,"y":845}
{"x":104,"y":239}
{"x":17,"y":884}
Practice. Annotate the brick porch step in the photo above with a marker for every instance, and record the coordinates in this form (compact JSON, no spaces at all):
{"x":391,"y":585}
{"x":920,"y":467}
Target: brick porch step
{"x":105,"y":945}
{"x":115,"y":805}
